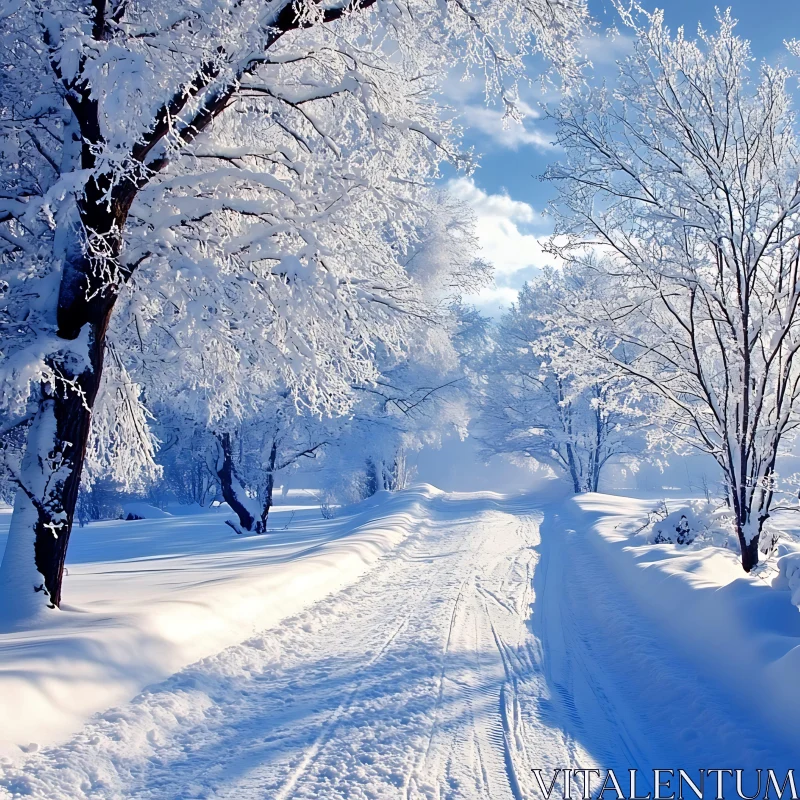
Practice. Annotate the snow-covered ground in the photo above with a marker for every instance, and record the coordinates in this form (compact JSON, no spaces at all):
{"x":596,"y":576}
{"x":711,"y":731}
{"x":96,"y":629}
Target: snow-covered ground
{"x":688,"y":659}
{"x":498,"y":635}
{"x":727,"y":683}
{"x":145,"y":598}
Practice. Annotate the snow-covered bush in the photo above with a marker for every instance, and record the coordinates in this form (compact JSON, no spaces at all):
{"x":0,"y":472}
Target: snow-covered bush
{"x":789,"y":576}
{"x":679,"y":527}
{"x":699,"y":523}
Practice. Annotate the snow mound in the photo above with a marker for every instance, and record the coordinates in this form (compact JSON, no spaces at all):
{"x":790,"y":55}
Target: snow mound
{"x":698,"y":524}
{"x":789,"y":576}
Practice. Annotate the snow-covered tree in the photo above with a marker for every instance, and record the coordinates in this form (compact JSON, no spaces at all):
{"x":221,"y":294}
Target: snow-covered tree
{"x":681,"y":184}
{"x":545,"y":397}
{"x":253,"y":454}
{"x":414,"y":404}
{"x":221,"y":161}
{"x":422,"y":396}
{"x":260,"y":429}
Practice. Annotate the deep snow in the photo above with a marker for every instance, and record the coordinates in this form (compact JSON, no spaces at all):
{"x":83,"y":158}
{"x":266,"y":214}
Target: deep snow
{"x":145,"y":598}
{"x":705,"y":654}
{"x":498,"y":635}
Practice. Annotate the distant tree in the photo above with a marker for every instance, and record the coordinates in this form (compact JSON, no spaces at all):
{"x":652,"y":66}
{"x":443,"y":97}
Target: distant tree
{"x":187,"y":458}
{"x":415,"y":404}
{"x":259,"y":427}
{"x":543,"y":396}
{"x":251,"y":456}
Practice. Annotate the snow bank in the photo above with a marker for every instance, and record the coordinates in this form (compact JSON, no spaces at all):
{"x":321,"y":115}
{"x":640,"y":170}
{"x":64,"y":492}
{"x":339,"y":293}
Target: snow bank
{"x":145,"y":598}
{"x":739,"y":631}
{"x":789,"y":576}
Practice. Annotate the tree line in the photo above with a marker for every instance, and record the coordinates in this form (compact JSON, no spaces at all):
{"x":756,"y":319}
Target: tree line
{"x":224,"y":254}
{"x":674,"y":321}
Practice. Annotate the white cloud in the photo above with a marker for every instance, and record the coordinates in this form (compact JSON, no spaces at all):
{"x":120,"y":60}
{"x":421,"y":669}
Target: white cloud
{"x":468,"y":97}
{"x":506,"y":231}
{"x":505,"y":132}
{"x":503,"y":228}
{"x":495,"y":207}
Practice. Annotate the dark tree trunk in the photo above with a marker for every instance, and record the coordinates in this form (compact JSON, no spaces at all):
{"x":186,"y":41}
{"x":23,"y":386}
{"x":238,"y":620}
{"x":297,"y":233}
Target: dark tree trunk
{"x":88,"y":290}
{"x":573,"y":470}
{"x":373,"y":482}
{"x":594,"y":464}
{"x":268,"y":489}
{"x":596,"y":469}
{"x":227,"y":477}
{"x":72,"y":412}
{"x":85,"y":305}
{"x":750,"y":555}
{"x":749,"y":550}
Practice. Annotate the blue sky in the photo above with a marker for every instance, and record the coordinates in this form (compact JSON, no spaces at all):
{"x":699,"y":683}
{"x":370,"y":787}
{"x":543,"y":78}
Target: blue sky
{"x":505,"y":191}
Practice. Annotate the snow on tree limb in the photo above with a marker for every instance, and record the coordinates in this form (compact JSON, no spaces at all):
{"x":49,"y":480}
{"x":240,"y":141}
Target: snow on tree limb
{"x":681,"y":185}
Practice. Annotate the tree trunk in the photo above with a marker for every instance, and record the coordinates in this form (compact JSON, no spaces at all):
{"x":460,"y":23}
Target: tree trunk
{"x":273,"y":454}
{"x":573,"y":470}
{"x":750,"y":555}
{"x":597,"y":468}
{"x":372,"y":484}
{"x":230,"y":484}
{"x":594,"y":463}
{"x":749,"y":549}
{"x":56,"y":447}
{"x":54,"y":456}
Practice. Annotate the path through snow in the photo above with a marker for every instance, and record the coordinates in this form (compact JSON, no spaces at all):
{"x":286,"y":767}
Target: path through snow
{"x":428,"y":678}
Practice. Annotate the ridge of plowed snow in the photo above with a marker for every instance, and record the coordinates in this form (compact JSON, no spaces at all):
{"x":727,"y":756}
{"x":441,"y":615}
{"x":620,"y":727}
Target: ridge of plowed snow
{"x":145,"y":598}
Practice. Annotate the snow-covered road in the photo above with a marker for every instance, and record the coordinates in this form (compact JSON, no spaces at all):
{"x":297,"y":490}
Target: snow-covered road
{"x":429,"y":678}
{"x":422,"y":680}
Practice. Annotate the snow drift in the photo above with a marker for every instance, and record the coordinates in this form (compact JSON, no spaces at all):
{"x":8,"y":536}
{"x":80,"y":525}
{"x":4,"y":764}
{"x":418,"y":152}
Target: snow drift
{"x":150,"y":596}
{"x":739,"y":631}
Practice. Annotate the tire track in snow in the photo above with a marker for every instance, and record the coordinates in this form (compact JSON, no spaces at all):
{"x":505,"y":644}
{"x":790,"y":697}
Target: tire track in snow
{"x":454,"y":573}
{"x":515,"y":757}
{"x":407,"y":786}
{"x":497,"y":598}
{"x":327,"y":729}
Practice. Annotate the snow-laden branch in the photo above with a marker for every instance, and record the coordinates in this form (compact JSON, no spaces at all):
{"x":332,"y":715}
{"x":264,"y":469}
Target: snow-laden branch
{"x":680,"y":189}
